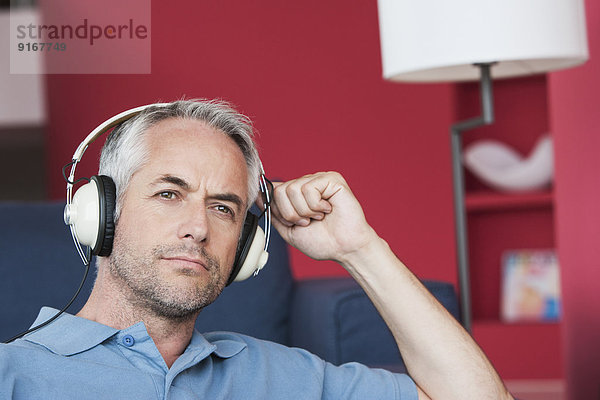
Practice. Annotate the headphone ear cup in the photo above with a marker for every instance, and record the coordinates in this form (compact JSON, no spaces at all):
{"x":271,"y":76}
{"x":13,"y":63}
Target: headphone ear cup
{"x":250,"y":256}
{"x":107,"y":194}
{"x":92,"y":214}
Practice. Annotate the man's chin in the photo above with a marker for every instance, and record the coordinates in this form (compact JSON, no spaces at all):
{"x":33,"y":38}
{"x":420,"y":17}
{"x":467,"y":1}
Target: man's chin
{"x":178,"y":309}
{"x":190,"y":298}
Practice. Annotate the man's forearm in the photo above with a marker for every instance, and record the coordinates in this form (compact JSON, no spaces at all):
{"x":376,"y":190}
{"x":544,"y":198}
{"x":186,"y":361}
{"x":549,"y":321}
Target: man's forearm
{"x":440,"y":355}
{"x":320,"y":216}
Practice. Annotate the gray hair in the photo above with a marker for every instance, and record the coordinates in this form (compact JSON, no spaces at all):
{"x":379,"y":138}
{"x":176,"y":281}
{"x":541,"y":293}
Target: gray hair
{"x":125,"y":150}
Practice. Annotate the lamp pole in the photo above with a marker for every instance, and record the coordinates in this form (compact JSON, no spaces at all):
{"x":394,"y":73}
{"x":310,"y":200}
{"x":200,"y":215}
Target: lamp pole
{"x":462,"y":245}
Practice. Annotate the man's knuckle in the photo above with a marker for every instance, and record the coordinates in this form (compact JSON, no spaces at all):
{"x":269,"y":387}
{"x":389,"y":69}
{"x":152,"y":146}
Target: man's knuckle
{"x":336,"y":175}
{"x":306,"y":189}
{"x":289,"y":189}
{"x":278,"y":192}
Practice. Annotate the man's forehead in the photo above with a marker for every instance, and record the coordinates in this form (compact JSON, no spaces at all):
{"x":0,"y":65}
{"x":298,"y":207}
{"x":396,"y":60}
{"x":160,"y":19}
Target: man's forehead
{"x":191,"y":133}
{"x":189,"y":150}
{"x":162,"y":128}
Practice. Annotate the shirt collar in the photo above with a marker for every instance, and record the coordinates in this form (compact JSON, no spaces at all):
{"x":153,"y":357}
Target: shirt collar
{"x":224,"y":346}
{"x":68,"y":334}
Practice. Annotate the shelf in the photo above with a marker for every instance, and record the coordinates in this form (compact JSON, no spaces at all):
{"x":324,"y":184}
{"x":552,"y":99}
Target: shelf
{"x":521,"y":350}
{"x":487,"y":323}
{"x":493,"y":201}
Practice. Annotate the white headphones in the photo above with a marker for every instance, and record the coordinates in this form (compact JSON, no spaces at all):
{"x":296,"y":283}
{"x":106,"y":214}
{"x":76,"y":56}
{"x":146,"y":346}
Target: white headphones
{"x":90,"y":212}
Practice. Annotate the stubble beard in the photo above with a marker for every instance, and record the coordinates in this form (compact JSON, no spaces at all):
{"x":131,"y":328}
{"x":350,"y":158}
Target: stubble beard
{"x":142,"y":275}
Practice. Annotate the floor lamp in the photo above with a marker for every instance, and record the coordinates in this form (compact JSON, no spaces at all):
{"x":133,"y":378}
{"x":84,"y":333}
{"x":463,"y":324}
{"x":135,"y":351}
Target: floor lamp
{"x":463,"y":40}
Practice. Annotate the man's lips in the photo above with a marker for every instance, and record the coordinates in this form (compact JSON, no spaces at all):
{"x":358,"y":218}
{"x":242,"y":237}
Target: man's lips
{"x":188,"y":262}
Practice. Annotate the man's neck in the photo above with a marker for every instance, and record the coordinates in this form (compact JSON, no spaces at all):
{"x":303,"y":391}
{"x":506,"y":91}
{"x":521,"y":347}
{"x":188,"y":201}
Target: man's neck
{"x":111,"y":303}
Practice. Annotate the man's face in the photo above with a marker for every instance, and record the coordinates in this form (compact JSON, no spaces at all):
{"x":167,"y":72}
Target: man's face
{"x":182,"y":213}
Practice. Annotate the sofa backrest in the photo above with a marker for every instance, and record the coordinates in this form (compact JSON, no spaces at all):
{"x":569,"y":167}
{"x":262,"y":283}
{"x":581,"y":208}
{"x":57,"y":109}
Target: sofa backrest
{"x":39,"y":266}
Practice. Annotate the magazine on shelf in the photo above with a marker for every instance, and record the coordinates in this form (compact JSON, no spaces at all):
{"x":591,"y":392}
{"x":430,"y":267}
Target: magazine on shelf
{"x":530,"y":286}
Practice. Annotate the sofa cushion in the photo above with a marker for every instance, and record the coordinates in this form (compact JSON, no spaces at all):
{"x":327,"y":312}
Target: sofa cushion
{"x":39,"y":265}
{"x":340,"y":313}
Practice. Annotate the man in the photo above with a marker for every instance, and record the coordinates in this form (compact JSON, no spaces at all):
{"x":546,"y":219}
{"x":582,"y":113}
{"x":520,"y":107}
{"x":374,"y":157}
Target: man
{"x":185,"y":176}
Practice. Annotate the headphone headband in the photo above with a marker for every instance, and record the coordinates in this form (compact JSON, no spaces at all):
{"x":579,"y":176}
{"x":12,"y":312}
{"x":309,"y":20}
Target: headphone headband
{"x":106,"y":125}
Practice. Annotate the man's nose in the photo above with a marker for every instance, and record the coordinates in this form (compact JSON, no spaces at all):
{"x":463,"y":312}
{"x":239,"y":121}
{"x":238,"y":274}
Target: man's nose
{"x":194,"y":223}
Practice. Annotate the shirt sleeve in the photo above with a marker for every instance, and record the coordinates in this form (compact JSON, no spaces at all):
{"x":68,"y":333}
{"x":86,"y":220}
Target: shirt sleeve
{"x":356,"y":381}
{"x":266,"y":370}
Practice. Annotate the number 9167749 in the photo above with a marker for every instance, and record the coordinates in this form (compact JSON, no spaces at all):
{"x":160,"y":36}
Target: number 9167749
{"x":42,"y":46}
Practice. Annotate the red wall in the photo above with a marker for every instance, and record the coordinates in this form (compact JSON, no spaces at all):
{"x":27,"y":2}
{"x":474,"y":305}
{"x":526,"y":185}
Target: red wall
{"x":309,"y":75}
{"x":575,"y":121}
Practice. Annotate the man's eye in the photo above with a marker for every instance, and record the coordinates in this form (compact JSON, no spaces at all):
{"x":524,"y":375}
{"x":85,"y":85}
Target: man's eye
{"x":223,"y":209}
{"x":166,"y":195}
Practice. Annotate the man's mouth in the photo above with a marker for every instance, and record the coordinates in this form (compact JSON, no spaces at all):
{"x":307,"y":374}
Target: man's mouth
{"x":187,"y":262}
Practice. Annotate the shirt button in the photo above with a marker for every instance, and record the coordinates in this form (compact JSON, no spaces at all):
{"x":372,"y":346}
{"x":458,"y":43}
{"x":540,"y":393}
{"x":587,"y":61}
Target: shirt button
{"x":128,"y":340}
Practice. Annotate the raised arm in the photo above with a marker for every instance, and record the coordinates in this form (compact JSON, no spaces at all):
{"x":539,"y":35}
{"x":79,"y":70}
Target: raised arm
{"x":319,"y":215}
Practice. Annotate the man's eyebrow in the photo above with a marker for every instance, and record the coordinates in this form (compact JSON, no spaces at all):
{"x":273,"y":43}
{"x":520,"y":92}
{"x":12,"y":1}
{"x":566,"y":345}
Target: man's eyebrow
{"x":229,"y":197}
{"x":173,"y":180}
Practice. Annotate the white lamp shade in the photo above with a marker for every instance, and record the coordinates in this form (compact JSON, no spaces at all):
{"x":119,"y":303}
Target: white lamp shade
{"x":440,"y":40}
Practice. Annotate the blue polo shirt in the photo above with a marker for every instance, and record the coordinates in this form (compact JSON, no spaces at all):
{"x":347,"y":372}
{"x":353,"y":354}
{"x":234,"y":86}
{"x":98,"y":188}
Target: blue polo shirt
{"x":75,"y":358}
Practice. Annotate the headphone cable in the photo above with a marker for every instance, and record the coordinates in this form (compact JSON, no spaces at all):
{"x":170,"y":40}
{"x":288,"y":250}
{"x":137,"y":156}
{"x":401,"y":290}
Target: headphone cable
{"x":58,"y":314}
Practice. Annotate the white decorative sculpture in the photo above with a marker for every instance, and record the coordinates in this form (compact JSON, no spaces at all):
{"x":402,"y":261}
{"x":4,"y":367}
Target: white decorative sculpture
{"x":503,"y":168}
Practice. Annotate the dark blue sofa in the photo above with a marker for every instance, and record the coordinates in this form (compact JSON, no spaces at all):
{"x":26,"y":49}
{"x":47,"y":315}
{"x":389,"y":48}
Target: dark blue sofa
{"x":332,"y":317}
